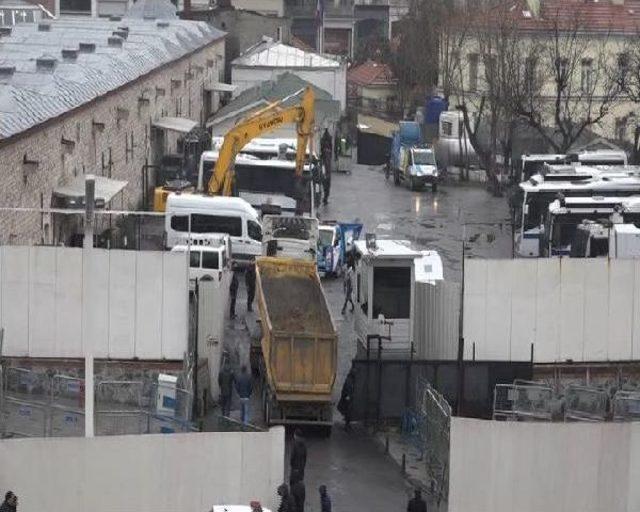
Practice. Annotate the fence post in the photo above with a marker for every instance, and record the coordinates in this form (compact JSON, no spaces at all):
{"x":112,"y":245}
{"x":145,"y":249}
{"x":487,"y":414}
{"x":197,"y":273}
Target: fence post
{"x":379,"y":398}
{"x":460,"y":396}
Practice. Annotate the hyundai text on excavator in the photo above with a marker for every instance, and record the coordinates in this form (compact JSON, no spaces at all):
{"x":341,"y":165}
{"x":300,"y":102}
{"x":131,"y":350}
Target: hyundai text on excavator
{"x":259,"y":123}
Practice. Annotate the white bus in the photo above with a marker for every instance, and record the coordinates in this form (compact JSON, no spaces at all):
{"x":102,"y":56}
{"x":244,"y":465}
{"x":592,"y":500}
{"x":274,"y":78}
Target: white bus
{"x":268,"y":185}
{"x":540,"y":191}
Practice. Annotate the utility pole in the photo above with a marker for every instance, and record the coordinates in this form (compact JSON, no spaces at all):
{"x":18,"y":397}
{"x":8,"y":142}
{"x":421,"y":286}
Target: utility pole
{"x":89,"y":206}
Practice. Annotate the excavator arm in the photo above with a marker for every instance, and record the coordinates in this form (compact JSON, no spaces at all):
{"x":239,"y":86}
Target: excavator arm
{"x":264,"y":121}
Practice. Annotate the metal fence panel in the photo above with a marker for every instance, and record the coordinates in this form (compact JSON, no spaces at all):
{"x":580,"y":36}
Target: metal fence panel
{"x":585,"y":404}
{"x":23,"y":419}
{"x":626,"y":406}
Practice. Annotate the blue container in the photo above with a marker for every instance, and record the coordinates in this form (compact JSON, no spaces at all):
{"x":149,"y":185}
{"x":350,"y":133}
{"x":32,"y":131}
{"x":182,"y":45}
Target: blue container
{"x":434,"y":107}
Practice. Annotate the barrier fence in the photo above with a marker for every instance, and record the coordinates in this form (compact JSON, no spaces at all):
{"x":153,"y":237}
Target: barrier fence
{"x":36,"y":404}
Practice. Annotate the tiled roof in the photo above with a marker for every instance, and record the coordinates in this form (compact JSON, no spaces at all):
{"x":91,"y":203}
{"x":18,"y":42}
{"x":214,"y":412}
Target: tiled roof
{"x":371,"y":73}
{"x":31,"y":94}
{"x":274,"y":54}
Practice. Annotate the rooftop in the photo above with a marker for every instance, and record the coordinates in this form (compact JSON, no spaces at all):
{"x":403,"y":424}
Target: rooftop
{"x":371,"y":73}
{"x":53,"y":67}
{"x":269,"y":91}
{"x":274,"y":54}
{"x":392,"y":249}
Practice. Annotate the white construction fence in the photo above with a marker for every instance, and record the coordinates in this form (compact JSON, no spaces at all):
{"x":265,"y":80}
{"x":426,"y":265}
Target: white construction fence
{"x":583,"y":310}
{"x":499,"y":466}
{"x":185,"y":472}
{"x":57,"y":302}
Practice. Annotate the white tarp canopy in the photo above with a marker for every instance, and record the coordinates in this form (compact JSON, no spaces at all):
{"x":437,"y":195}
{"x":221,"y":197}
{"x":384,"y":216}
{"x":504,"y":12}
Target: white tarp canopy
{"x":106,"y":188}
{"x":220,"y":87}
{"x":176,"y":124}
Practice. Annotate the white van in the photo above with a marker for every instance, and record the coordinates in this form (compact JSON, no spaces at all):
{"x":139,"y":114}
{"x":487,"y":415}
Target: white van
{"x":207,"y":256}
{"x":192,"y":214}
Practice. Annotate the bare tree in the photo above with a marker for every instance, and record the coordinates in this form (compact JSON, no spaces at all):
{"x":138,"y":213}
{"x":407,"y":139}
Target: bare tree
{"x":566,"y":85}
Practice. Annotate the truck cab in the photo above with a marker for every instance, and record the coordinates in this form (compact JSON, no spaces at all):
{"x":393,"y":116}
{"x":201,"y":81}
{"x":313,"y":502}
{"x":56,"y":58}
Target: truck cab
{"x":384,"y":293}
{"x":418,"y":167}
{"x":209,"y":256}
{"x":290,"y":237}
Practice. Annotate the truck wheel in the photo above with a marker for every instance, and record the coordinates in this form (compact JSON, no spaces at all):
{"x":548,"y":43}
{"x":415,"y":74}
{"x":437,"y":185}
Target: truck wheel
{"x":412,"y":184}
{"x":434,"y":187}
{"x":396,"y":177}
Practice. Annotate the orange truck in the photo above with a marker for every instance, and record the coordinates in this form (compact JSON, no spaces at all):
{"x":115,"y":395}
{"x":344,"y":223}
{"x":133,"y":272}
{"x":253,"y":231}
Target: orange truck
{"x":299,"y":343}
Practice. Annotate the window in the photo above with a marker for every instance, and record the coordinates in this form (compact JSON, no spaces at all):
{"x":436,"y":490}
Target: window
{"x":180,"y":223}
{"x":623,"y":66}
{"x":490,"y":67}
{"x":530,"y":65}
{"x":621,"y":128}
{"x":586,"y":76}
{"x":194,"y":259}
{"x":392,"y":292}
{"x":210,"y":260}
{"x":255,"y":231}
{"x":75,"y":7}
{"x":201,"y":223}
{"x":473,"y":72}
{"x":562,"y":69}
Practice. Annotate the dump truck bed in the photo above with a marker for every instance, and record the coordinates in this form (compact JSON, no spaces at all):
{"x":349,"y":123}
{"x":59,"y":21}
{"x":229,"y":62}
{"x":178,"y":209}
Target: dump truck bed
{"x":299,"y":341}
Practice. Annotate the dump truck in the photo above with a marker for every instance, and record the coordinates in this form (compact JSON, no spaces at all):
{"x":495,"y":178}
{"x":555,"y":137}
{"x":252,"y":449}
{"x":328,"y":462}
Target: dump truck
{"x":299,"y":344}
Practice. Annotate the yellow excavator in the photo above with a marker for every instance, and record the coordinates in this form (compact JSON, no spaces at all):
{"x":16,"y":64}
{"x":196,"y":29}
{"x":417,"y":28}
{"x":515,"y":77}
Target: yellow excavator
{"x":263,"y":121}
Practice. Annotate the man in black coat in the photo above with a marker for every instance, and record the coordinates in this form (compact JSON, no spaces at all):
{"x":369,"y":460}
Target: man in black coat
{"x":233,"y":293}
{"x":250,"y":282}
{"x":345,"y":405}
{"x":10,"y":503}
{"x":287,"y":503}
{"x":226,"y":380}
{"x":298,"y":458}
{"x":417,"y":504}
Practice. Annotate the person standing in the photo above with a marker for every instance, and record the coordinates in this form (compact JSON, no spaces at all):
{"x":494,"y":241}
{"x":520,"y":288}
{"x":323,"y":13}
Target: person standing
{"x":250,"y":282}
{"x":348,"y":289}
{"x":10,"y":503}
{"x":233,"y":293}
{"x":417,"y":504}
{"x":244,"y":388}
{"x":298,"y":458}
{"x":225,"y":381}
{"x":325,"y":500}
{"x":345,"y":405}
{"x":326,"y":152}
{"x":299,"y":494}
{"x":287,"y":503}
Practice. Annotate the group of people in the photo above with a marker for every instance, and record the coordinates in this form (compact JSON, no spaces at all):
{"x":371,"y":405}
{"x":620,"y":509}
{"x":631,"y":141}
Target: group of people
{"x":250,"y":283}
{"x":293,"y":496}
{"x":243,"y":385}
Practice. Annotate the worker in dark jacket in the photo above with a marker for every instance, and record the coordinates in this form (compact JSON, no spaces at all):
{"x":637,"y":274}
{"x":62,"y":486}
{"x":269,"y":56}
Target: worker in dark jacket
{"x":298,"y":458}
{"x":325,"y":500}
{"x":250,"y":282}
{"x":345,"y":405}
{"x":299,"y":494}
{"x":225,"y":381}
{"x":244,"y":388}
{"x":10,"y":503}
{"x":287,"y":503}
{"x":417,"y":504}
{"x":326,"y":155}
{"x":233,"y":293}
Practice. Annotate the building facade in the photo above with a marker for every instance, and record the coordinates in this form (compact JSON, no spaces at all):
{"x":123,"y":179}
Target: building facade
{"x":102,"y":104}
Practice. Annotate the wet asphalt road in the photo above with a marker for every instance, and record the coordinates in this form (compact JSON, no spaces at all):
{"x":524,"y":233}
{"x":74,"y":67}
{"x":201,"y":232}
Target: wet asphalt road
{"x":430,"y":220}
{"x":354,"y":468}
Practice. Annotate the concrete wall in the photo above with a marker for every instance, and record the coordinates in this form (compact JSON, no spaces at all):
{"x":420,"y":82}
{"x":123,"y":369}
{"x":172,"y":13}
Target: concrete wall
{"x":577,"y":309}
{"x":108,"y":153}
{"x":185,"y":472}
{"x":555,"y":467}
{"x":59,"y":302}
{"x":332,"y":80}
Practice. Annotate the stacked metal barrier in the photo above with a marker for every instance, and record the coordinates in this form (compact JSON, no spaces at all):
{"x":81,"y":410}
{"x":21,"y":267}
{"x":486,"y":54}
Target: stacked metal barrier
{"x":583,"y":403}
{"x":37,"y":404}
{"x":522,"y":402}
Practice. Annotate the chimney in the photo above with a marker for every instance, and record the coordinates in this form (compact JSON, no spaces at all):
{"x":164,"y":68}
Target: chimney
{"x":5,"y":31}
{"x":7,"y":71}
{"x":46,"y":63}
{"x":44,"y":27}
{"x":87,"y":47}
{"x":70,"y":54}
{"x":114,"y":42}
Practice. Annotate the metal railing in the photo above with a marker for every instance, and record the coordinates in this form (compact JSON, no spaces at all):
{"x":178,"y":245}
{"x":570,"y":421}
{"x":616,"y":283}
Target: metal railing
{"x":585,"y":404}
{"x":36,"y":404}
{"x":521,"y":402}
{"x":625,"y":406}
